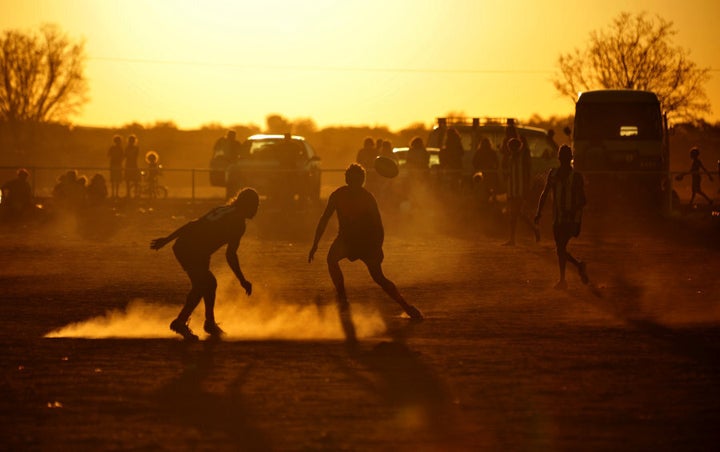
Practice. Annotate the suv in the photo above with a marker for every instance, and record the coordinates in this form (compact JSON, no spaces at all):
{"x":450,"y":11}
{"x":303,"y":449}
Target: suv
{"x":472,"y":131}
{"x":542,"y":148}
{"x":281,"y":167}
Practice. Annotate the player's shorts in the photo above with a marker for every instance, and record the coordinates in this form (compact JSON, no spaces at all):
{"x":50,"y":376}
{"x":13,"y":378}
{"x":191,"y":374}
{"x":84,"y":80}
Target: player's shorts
{"x":565,"y":231}
{"x":341,"y":249}
{"x":192,"y":262}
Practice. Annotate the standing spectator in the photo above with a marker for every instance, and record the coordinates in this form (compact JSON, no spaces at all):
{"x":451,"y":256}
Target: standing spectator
{"x":695,"y":166}
{"x":153,"y":172}
{"x":367,"y":154}
{"x":379,"y":146}
{"x":451,"y":155}
{"x":387,"y":149}
{"x":417,"y":155}
{"x":228,"y":147}
{"x":17,"y":196}
{"x":451,"y":158}
{"x":518,"y":188}
{"x":132,"y":172}
{"x":116,"y":154}
{"x":485,"y":161}
{"x":510,"y":133}
{"x":568,"y":192}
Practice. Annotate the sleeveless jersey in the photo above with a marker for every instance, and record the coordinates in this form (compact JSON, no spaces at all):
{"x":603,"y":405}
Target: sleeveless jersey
{"x":568,"y":197}
{"x":216,"y":228}
{"x":359,"y":223}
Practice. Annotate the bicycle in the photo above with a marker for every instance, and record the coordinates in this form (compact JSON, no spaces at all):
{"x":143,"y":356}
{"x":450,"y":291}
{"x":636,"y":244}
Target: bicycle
{"x":149,"y":187}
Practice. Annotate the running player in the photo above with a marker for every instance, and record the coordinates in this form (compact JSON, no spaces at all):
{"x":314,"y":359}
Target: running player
{"x":568,"y":191}
{"x":196,"y":242}
{"x":695,"y":170}
{"x":360,"y":236}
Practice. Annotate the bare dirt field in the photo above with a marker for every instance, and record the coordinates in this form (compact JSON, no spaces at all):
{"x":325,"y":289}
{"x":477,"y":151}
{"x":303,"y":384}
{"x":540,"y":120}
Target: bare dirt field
{"x":502,"y":362}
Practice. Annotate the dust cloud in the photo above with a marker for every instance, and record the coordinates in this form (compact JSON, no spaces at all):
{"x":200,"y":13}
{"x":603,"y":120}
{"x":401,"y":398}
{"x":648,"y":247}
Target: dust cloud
{"x":260,"y":317}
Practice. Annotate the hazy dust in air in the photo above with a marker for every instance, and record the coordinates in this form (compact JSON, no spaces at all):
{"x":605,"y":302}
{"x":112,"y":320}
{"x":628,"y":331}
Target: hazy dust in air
{"x":259,"y":317}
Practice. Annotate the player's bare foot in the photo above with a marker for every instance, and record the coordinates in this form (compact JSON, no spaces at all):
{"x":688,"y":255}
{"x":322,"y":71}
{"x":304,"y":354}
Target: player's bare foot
{"x":183,"y":330}
{"x":582,"y":270}
{"x":414,"y":313}
{"x":213,"y":329}
{"x":561,"y":285}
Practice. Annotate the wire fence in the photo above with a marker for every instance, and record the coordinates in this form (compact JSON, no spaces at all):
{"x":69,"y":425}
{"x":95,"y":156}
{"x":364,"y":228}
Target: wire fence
{"x":194,"y":183}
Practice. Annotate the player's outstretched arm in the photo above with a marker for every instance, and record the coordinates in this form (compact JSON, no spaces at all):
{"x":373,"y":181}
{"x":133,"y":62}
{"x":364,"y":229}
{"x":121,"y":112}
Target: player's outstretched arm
{"x":158,"y":243}
{"x":234,"y":264}
{"x":322,"y":224}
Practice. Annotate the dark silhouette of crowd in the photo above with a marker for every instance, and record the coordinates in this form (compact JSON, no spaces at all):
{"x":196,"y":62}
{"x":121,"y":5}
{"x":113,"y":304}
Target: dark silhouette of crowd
{"x":17,"y":201}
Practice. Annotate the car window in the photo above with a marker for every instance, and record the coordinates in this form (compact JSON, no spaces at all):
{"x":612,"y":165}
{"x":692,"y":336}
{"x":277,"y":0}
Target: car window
{"x":267,"y":149}
{"x":262,"y":150}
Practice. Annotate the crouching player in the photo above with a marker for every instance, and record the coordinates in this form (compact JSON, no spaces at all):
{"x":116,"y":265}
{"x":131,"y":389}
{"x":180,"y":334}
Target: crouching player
{"x":195,"y":242}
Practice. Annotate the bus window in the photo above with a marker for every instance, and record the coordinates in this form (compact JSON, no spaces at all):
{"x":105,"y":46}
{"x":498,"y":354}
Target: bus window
{"x":618,"y":120}
{"x":628,"y":131}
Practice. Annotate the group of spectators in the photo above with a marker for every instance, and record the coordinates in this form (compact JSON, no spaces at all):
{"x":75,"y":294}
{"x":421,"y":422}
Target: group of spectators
{"x":124,"y":166}
{"x":488,"y":170}
{"x":73,"y":191}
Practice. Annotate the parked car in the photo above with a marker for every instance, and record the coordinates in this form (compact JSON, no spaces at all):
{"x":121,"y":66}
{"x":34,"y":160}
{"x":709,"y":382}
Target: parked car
{"x":280,"y":167}
{"x":400,"y":155}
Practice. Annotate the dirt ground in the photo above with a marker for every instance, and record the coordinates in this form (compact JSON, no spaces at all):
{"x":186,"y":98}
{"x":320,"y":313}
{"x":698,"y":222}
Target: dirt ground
{"x":502,"y":362}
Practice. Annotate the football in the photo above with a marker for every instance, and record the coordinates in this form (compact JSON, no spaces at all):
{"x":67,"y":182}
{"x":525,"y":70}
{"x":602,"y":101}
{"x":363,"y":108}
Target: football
{"x":386,"y":167}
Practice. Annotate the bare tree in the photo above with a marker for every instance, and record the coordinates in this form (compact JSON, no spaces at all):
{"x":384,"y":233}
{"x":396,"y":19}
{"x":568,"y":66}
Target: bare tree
{"x":636,"y":52}
{"x":41,"y":76}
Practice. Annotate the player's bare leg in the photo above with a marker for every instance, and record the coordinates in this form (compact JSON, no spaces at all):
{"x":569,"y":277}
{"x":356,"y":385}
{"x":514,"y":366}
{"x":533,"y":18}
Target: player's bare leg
{"x":335,"y":255}
{"x":562,"y":262}
{"x":375,"y":269}
{"x":346,"y":321}
{"x":179,"y":325}
{"x":210,"y":326}
{"x":563,"y":257}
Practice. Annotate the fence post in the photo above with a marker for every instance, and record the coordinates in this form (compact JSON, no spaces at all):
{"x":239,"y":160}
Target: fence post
{"x":669,"y":192}
{"x":193,"y":184}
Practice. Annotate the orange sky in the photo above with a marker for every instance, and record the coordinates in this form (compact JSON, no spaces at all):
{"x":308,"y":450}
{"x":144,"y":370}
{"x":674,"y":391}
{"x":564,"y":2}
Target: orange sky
{"x":369,"y":62}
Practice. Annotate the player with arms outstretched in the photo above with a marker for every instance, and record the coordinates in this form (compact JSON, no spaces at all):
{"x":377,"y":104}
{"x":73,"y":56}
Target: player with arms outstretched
{"x":360,"y":236}
{"x":195,"y":242}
